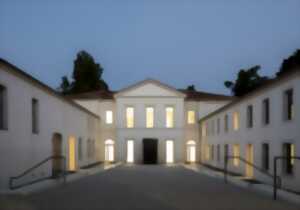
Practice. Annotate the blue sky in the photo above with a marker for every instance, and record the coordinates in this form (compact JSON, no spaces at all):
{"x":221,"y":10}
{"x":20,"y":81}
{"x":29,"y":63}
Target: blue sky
{"x":201,"y":42}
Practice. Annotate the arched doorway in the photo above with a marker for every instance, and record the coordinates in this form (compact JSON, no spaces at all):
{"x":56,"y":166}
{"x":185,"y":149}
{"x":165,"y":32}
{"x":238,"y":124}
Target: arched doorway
{"x":191,"y":151}
{"x":109,"y":150}
{"x":57,"y":164}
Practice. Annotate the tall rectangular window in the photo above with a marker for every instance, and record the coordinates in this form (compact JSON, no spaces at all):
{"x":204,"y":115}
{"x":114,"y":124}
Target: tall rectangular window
{"x":266,"y":111}
{"x":35,"y":115}
{"x":109,"y":117}
{"x":130,"y":117}
{"x":191,"y":117}
{"x":79,"y":149}
{"x":203,"y":129}
{"x":3,"y":108}
{"x":212,"y":152}
{"x":149,"y":117}
{"x":289,"y":152}
{"x":207,"y":152}
{"x":169,"y":117}
{"x":250,"y":116}
{"x":218,"y":125}
{"x":288,"y":104}
{"x":236,"y":121}
{"x":236,"y":153}
{"x":218,"y":153}
{"x":265,"y":156}
{"x":226,"y":123}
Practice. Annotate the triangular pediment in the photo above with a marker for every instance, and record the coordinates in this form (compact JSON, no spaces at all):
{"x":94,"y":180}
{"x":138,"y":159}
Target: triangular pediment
{"x":149,"y":88}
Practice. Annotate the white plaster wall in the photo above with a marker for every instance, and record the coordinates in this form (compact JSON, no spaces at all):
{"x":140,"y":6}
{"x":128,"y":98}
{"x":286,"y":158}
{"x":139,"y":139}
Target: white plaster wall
{"x":19,"y":148}
{"x":159,"y":131}
{"x":276,"y":133}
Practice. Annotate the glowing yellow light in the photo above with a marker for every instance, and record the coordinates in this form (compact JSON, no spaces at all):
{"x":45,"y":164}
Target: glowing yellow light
{"x":149,"y":117}
{"x":130,"y":151}
{"x":169,"y":117}
{"x":236,"y":153}
{"x":292,"y":153}
{"x":169,"y":151}
{"x":109,"y":150}
{"x":191,"y":117}
{"x":109,"y":117}
{"x":72,"y":154}
{"x":130,"y":117}
{"x":191,"y":151}
{"x":236,"y":121}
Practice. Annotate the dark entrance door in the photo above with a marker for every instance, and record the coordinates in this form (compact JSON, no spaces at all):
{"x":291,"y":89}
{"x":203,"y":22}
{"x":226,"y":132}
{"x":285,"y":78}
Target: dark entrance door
{"x":150,"y":151}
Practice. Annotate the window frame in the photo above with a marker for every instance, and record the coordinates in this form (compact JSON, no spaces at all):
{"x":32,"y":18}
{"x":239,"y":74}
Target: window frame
{"x":172,"y":124}
{"x":109,"y":118}
{"x":128,"y":124}
{"x":35,"y":127}
{"x":150,"y":125}
{"x":266,"y":111}
{"x":3,"y":108}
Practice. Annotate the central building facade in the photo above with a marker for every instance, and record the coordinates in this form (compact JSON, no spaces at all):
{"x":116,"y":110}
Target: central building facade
{"x":150,"y":122}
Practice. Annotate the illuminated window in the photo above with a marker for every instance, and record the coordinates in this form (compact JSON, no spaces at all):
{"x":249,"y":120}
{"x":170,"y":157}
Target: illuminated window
{"x":169,"y":151}
{"x":35,"y":115}
{"x":169,"y":117}
{"x":109,"y":117}
{"x":72,"y":154}
{"x":236,"y":153}
{"x":109,"y":150}
{"x":289,"y":152}
{"x":288,"y":104}
{"x":191,"y":117}
{"x":3,"y":108}
{"x":191,"y":151}
{"x":130,"y":151}
{"x":236,"y":121}
{"x":130,"y":117}
{"x":149,"y":117}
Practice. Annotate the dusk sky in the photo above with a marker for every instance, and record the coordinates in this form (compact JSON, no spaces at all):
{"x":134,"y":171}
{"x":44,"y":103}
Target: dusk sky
{"x":175,"y":41}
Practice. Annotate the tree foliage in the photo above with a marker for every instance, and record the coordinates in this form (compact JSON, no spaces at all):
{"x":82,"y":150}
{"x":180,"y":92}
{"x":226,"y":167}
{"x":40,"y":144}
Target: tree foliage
{"x":87,"y":76}
{"x":290,"y":63}
{"x":247,"y":80}
{"x":191,"y":88}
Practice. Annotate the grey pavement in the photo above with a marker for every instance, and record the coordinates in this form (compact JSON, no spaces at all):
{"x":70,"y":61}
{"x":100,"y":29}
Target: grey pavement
{"x":154,"y":187}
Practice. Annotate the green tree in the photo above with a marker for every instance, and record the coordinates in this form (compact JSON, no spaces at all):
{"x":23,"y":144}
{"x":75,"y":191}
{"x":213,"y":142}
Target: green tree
{"x":247,"y":80}
{"x":290,"y":63}
{"x":191,"y":88}
{"x":87,"y":76}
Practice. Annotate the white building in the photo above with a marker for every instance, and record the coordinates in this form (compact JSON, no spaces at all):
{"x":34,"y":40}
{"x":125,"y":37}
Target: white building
{"x":150,"y":111}
{"x":36,"y":123}
{"x":258,"y":127}
{"x":148,"y":122}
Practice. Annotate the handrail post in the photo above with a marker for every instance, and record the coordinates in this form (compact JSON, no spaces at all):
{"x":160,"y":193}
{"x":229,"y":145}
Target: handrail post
{"x":225,"y":168}
{"x":275,"y":178}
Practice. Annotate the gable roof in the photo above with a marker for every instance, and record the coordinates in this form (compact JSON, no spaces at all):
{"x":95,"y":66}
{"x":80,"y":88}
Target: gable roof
{"x":194,"y":95}
{"x":22,"y":74}
{"x":269,"y":84}
{"x":150,"y":81}
{"x":98,"y":94}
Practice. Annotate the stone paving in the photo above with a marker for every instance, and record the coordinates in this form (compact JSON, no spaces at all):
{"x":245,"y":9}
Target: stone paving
{"x":154,"y":187}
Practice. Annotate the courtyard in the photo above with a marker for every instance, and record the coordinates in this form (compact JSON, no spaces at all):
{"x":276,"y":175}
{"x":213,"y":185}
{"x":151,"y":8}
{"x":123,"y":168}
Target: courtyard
{"x":149,"y":187}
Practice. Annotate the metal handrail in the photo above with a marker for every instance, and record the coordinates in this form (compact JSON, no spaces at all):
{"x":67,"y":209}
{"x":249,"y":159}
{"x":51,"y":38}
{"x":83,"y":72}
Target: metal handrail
{"x":276,"y":158}
{"x":11,"y":179}
{"x":276,"y":183}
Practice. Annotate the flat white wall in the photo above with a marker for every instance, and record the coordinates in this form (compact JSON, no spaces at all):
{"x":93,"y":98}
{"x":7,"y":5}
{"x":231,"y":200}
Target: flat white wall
{"x":20,"y":149}
{"x":278,"y":132}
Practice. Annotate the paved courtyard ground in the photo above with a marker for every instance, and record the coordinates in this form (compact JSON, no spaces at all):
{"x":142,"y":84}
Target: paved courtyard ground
{"x":152,"y":187}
